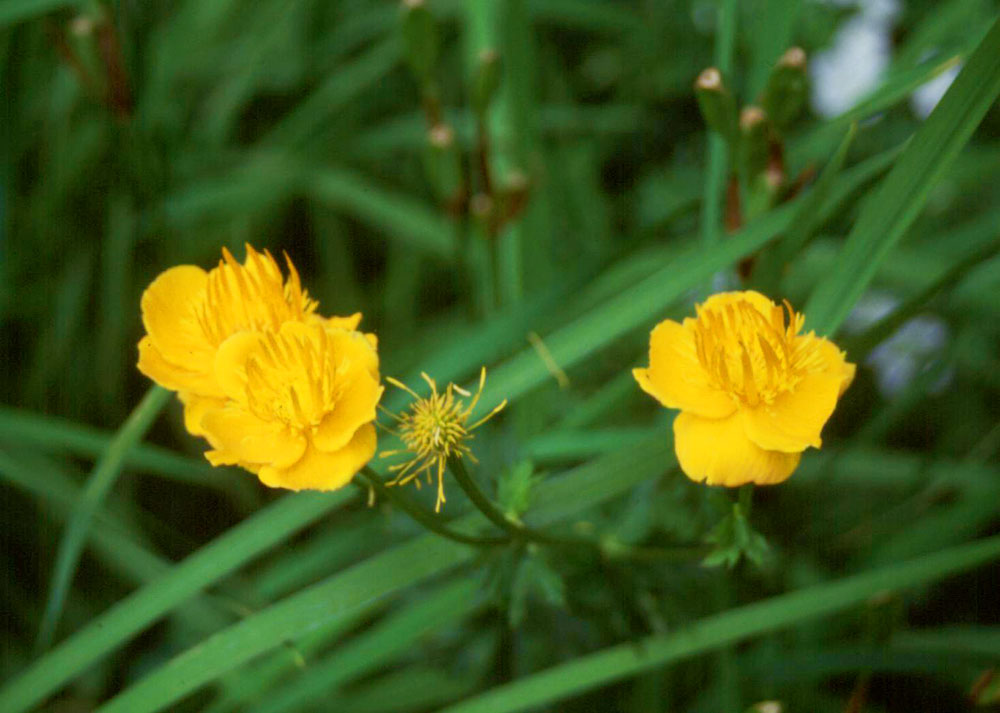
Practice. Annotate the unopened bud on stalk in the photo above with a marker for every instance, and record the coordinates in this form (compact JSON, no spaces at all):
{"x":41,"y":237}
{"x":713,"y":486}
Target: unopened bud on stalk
{"x":485,"y":81}
{"x":754,"y":141}
{"x":444,"y":165}
{"x":514,"y":194}
{"x":766,"y":707}
{"x":481,"y":206}
{"x":718,"y":107}
{"x":420,"y":38}
{"x":787,"y":88}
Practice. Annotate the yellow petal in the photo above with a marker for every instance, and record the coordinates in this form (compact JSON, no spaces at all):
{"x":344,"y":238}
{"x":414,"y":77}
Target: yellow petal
{"x":355,"y":407}
{"x":676,"y":378}
{"x":318,"y":470}
{"x":173,"y":377}
{"x":721,"y":299}
{"x":354,"y":350}
{"x":236,"y":432}
{"x":195,"y":408}
{"x":230,"y":364}
{"x":718,"y":452}
{"x":170,"y":314}
{"x":834,"y":360}
{"x":349,"y":323}
{"x":222,"y":457}
{"x":794,"y":421}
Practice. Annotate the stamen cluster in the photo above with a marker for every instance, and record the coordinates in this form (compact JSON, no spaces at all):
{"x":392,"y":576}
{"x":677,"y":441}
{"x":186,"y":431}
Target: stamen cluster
{"x":435,"y":429}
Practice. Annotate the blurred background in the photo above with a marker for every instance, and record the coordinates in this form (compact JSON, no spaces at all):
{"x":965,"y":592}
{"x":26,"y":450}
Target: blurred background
{"x":525,"y":163}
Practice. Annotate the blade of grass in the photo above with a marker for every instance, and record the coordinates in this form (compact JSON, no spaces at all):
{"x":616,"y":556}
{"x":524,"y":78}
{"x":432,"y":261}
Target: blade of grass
{"x":860,"y":346}
{"x":131,"y":615}
{"x":340,"y":595}
{"x":773,"y":262}
{"x":718,"y":147}
{"x":101,"y":480}
{"x":732,"y":626}
{"x":14,"y":11}
{"x":644,"y":301}
{"x":902,"y":194}
{"x":774,"y":22}
{"x":53,"y":434}
{"x":431,"y":612}
{"x":343,"y":86}
{"x":402,"y":217}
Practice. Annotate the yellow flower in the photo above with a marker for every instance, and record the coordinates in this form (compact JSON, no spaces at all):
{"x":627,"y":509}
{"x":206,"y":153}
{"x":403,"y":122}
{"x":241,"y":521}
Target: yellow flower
{"x":753,"y":392}
{"x":435,"y":429}
{"x":188,"y":314}
{"x":273,"y":386}
{"x":300,"y":405}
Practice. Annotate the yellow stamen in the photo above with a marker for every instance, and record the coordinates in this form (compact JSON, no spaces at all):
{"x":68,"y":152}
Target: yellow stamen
{"x":434,"y":429}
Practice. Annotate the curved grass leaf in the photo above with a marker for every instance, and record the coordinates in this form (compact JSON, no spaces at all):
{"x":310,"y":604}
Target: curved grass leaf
{"x":901,"y":196}
{"x":343,"y":593}
{"x":629,"y":659}
{"x":102,"y":479}
{"x":131,"y":615}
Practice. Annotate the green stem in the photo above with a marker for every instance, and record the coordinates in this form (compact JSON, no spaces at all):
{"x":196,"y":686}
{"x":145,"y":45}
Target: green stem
{"x":746,"y":499}
{"x":431,"y":522}
{"x":522,"y":532}
{"x":494,"y":515}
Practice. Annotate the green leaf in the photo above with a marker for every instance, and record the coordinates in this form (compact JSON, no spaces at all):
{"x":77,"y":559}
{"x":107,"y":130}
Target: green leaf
{"x":14,"y":11}
{"x":902,"y":194}
{"x":431,"y":612}
{"x":131,"y":615}
{"x":629,"y":659}
{"x":59,"y":435}
{"x":341,"y":594}
{"x":401,"y":217}
{"x":101,"y":480}
{"x":773,"y":262}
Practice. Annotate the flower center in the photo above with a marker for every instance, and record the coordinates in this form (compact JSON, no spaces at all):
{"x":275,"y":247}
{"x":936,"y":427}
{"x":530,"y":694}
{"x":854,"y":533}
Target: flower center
{"x":252,"y":297}
{"x":435,"y":425}
{"x":293,"y":379}
{"x":747,"y":353}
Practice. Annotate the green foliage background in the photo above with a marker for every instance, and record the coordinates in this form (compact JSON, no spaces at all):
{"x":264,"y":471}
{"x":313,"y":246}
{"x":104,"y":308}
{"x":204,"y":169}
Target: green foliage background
{"x":296,"y":125}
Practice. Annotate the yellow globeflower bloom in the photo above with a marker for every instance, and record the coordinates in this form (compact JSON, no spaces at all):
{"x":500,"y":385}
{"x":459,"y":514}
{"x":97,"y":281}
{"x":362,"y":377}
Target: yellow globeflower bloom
{"x":189,"y":313}
{"x":300,"y":405}
{"x":753,"y":392}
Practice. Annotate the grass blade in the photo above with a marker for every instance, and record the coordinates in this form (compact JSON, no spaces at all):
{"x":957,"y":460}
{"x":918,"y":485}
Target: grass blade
{"x":734,"y":625}
{"x":237,"y":546}
{"x":14,"y":11}
{"x":431,"y":612}
{"x":902,"y":194}
{"x":340,"y":595}
{"x":101,"y":480}
{"x":402,"y":217}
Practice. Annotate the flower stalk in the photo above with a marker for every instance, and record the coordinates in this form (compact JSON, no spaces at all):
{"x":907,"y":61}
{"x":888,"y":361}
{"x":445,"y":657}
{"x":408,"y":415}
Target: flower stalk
{"x":433,"y":523}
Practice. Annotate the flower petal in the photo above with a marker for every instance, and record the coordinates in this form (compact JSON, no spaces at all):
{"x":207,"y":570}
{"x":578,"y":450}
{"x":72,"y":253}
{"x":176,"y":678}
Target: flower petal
{"x":355,"y":407}
{"x":354,"y":349}
{"x":168,"y":375}
{"x":718,"y":452}
{"x":170,"y":314}
{"x":794,"y":421}
{"x":232,"y":430}
{"x":231,"y":361}
{"x":195,"y":408}
{"x":676,"y":378}
{"x":349,"y":323}
{"x":319,"y":470}
{"x":834,"y":361}
{"x":721,"y":299}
